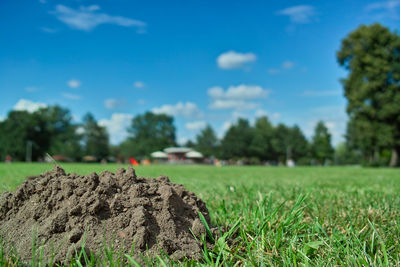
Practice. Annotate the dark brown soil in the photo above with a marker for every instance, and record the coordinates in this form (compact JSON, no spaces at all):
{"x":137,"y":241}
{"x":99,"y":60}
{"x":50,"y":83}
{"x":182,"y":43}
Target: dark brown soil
{"x":65,"y":211}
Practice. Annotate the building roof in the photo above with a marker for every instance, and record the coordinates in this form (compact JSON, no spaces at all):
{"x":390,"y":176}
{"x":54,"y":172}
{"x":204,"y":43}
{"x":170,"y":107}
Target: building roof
{"x":177,"y":150}
{"x":194,"y":155}
{"x":159,"y":155}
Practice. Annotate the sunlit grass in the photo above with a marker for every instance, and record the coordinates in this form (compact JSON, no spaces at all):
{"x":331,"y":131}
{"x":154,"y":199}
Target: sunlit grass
{"x":271,"y":216}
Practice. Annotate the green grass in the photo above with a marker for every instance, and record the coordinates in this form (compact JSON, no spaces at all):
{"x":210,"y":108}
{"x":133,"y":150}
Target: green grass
{"x":277,"y":216}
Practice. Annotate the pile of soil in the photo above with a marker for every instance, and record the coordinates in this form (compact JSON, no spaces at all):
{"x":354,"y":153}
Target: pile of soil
{"x":65,"y":211}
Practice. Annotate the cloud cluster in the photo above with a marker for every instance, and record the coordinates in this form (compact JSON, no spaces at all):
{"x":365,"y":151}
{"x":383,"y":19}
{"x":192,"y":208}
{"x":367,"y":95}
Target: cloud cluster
{"x":262,"y":113}
{"x":87,"y":18}
{"x":384,"y":9}
{"x":117,"y":126}
{"x":299,"y":14}
{"x":187,"y":110}
{"x":236,"y":97}
{"x":139,"y":84}
{"x":195,"y":125}
{"x":234,"y":60}
{"x":74,"y":83}
{"x":28,"y":105}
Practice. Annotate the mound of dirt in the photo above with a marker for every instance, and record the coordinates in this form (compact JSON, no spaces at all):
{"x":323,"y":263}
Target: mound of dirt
{"x":65,"y":211}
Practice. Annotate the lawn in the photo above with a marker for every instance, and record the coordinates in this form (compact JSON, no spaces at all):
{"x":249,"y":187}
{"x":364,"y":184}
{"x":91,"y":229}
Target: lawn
{"x":283,"y":216}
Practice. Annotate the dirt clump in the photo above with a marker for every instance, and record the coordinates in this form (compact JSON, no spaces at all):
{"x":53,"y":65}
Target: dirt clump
{"x":65,"y":211}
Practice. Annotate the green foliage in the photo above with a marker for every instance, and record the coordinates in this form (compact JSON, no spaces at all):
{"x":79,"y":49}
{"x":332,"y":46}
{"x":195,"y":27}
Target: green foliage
{"x":321,"y":143}
{"x":237,"y":140}
{"x":95,"y":138}
{"x":207,"y":142}
{"x":264,"y":142}
{"x":261,"y":144}
{"x":49,"y":129}
{"x":149,"y":132}
{"x":371,"y":54}
{"x":346,"y":156}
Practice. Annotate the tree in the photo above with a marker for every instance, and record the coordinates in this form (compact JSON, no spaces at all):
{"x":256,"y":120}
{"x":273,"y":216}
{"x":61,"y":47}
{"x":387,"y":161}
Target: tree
{"x":344,"y":155}
{"x":237,"y":140}
{"x":289,"y":143}
{"x":60,"y":132}
{"x":321,"y":143}
{"x":371,"y":54}
{"x":207,"y":142}
{"x":149,"y":132}
{"x":47,"y":130}
{"x":15,"y":131}
{"x":298,"y":145}
{"x":261,"y":145}
{"x":95,"y":138}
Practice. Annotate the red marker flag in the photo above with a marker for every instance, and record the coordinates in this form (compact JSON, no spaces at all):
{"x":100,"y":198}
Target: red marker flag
{"x":133,"y":161}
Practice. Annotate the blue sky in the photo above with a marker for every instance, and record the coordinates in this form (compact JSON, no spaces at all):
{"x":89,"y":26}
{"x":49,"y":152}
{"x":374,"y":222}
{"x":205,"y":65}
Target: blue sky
{"x":200,"y":61}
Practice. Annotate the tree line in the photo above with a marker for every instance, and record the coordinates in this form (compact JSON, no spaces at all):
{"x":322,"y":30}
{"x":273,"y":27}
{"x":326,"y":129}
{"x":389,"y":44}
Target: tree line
{"x":51,"y":130}
{"x":370,"y":55}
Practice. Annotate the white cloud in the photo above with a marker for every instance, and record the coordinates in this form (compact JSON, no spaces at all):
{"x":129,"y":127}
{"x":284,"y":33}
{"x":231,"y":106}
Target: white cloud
{"x":195,"y":125}
{"x":71,"y":96}
{"x":187,"y":110}
{"x":234,"y":60}
{"x":299,"y":14}
{"x":313,"y":93}
{"x":236,"y":97}
{"x":86,"y":18}
{"x":272,"y":116}
{"x":74,"y":83}
{"x":139,"y":84}
{"x":27,"y":105}
{"x":113,"y":103}
{"x":232,"y":104}
{"x":117,"y":126}
{"x":226,"y":126}
{"x":240,"y":92}
{"x":2,"y":118}
{"x":384,"y":9}
{"x":287,"y":65}
{"x":31,"y":89}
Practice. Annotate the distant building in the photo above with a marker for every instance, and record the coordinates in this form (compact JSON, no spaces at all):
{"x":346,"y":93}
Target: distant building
{"x":178,"y":155}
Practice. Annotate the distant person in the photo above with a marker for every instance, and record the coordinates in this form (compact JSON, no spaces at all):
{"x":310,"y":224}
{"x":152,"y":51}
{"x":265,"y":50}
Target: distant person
{"x":8,"y":159}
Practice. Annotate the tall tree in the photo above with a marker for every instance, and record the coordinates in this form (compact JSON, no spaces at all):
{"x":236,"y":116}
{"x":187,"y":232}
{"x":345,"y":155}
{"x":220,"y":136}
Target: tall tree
{"x":60,"y":132}
{"x":149,"y":132}
{"x":261,"y":145}
{"x":95,"y":138}
{"x":15,"y":132}
{"x":237,"y":140}
{"x":289,"y":143}
{"x":371,"y":54}
{"x":48,"y":129}
{"x":321,"y":143}
{"x":207,"y":142}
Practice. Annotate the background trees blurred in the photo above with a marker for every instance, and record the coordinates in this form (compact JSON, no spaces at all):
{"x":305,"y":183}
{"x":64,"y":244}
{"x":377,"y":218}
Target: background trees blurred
{"x":371,"y":55}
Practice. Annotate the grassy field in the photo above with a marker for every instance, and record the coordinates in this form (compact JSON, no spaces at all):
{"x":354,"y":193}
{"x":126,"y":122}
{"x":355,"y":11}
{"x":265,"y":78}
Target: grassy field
{"x":280,"y":216}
